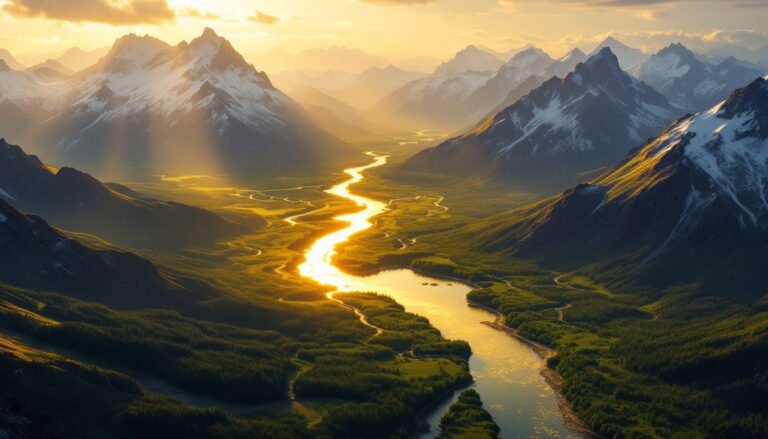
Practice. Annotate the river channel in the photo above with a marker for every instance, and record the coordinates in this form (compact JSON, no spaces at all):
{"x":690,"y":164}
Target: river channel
{"x":507,"y":372}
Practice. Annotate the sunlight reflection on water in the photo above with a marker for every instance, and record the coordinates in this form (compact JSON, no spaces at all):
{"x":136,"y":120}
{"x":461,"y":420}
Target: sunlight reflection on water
{"x":506,"y":371}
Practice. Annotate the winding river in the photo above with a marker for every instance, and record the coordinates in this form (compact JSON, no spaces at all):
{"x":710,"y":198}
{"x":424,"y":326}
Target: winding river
{"x":506,"y":371}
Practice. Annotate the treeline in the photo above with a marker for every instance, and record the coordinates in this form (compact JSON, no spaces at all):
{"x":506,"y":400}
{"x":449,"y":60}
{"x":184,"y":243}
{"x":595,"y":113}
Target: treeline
{"x":688,"y":366}
{"x":386,"y":380}
{"x":47,"y":396}
{"x":467,"y":418}
{"x":392,"y":388}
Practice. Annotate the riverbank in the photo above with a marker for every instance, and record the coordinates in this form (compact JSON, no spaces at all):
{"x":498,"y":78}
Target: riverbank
{"x":550,"y":375}
{"x":572,"y":419}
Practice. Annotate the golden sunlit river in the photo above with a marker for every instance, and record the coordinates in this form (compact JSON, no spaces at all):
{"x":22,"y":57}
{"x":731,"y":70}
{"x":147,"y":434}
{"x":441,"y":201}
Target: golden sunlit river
{"x":506,"y":371}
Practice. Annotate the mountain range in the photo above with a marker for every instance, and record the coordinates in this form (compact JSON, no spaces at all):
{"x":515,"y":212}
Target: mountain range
{"x":75,"y":201}
{"x":547,"y":139}
{"x":39,"y":256}
{"x":677,"y":209}
{"x":147,"y":107}
{"x":691,"y":81}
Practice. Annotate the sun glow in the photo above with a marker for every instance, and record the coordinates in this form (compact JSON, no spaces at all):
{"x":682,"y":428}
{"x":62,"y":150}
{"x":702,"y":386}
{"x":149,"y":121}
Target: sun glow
{"x":318,"y":264}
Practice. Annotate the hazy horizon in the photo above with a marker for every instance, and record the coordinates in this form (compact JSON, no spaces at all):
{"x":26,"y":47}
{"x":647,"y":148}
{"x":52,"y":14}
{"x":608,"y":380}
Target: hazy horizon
{"x":412,"y":34}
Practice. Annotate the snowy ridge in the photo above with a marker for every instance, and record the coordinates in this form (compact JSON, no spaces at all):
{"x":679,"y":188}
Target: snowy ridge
{"x":692,"y":81}
{"x":172,"y":84}
{"x":148,"y":104}
{"x":730,"y":152}
{"x":560,"y":109}
{"x":589,"y":119}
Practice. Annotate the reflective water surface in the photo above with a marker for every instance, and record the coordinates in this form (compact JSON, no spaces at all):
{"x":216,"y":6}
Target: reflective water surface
{"x":506,"y":371}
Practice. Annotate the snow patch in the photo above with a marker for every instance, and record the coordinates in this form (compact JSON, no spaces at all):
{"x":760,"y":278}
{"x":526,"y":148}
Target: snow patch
{"x":553,"y":116}
{"x":736,"y":165}
{"x":5,"y":194}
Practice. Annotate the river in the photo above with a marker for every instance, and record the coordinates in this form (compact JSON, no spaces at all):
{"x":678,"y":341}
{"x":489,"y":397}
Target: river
{"x":506,"y":371}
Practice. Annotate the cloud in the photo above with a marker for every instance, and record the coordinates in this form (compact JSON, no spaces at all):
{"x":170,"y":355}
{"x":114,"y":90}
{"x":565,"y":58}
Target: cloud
{"x":645,"y":9}
{"x":633,"y":3}
{"x":198,"y":13}
{"x":397,"y":2}
{"x":94,"y":11}
{"x":263,"y":18}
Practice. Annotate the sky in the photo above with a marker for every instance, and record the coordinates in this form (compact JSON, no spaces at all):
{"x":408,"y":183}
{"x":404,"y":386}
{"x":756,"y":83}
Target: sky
{"x":394,"y":30}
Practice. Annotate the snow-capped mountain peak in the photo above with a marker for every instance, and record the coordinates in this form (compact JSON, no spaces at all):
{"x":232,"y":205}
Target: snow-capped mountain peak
{"x":214,"y":52}
{"x":722,"y":153}
{"x":198,"y":95}
{"x":589,"y":119}
{"x":130,"y":52}
{"x":692,"y":81}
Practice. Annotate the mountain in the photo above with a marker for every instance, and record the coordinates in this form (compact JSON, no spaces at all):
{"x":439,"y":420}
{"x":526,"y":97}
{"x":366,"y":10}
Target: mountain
{"x":470,"y":58}
{"x":78,"y":202}
{"x":35,"y":255}
{"x":561,"y":66}
{"x":375,"y":83}
{"x":689,"y":205}
{"x":433,"y":101}
{"x":76,"y":59}
{"x":49,"y":70}
{"x":147,"y":107}
{"x":755,"y":56}
{"x":338,"y":118}
{"x":522,"y":89}
{"x":452,"y":101}
{"x":23,"y":100}
{"x":629,"y":57}
{"x":10,"y":61}
{"x":509,"y":76}
{"x":568,"y":126}
{"x":690,"y":81}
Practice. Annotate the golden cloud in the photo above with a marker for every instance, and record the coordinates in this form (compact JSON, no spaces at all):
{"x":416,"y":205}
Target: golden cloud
{"x":94,"y":11}
{"x":263,"y":18}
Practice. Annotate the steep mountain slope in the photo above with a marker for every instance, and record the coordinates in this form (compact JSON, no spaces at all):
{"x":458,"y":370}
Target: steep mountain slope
{"x":147,"y":107}
{"x":690,"y":81}
{"x":509,"y":76}
{"x":37,"y":256}
{"x":681,"y":208}
{"x":588,"y":119}
{"x":522,"y":89}
{"x":629,"y":57}
{"x":76,"y":201}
